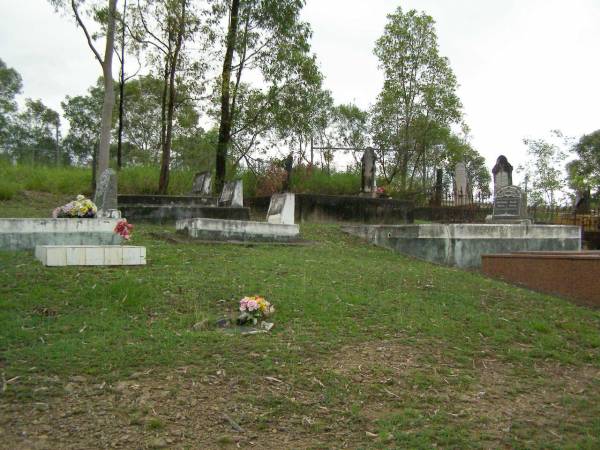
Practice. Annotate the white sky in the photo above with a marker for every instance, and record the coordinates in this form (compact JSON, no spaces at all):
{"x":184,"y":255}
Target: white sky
{"x":524,"y":66}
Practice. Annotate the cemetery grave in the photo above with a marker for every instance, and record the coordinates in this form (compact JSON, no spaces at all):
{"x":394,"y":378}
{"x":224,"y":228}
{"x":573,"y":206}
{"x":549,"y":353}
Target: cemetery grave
{"x":369,"y":349}
{"x":198,"y":204}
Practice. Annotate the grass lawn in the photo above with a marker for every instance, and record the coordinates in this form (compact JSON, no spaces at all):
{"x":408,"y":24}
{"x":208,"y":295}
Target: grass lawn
{"x":370,"y":350}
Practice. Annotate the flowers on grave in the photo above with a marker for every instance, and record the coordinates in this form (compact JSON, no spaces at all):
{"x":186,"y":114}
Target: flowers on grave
{"x":254,"y":309}
{"x":124,"y":229}
{"x":381,"y":190}
{"x":80,"y":207}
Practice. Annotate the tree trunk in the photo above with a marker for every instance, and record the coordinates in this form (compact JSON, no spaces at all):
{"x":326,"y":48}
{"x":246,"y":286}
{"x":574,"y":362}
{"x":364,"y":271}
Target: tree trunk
{"x":109,"y":95}
{"x":121,"y":91}
{"x":225,"y":121}
{"x":163,"y":182}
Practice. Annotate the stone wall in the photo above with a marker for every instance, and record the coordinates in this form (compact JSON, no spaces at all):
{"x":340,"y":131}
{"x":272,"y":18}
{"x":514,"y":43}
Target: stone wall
{"x":342,"y":209}
{"x":462,"y":245}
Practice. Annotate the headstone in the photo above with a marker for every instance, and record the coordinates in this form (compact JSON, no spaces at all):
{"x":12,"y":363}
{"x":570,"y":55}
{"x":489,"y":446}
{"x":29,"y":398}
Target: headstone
{"x":461,"y":196}
{"x":233,"y":194}
{"x":202,"y":184}
{"x":106,"y":195}
{"x":508,"y":204}
{"x":502,"y":172}
{"x":439,"y":187}
{"x":582,"y":201}
{"x":368,"y":172}
{"x":288,"y":165}
{"x":282,"y":209}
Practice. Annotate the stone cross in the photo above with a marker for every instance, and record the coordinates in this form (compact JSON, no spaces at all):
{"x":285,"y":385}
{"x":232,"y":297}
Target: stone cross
{"x":202,"y":184}
{"x":233,"y":194}
{"x":368,"y":172}
{"x":502,"y":172}
{"x":106,"y":195}
{"x":461,"y":196}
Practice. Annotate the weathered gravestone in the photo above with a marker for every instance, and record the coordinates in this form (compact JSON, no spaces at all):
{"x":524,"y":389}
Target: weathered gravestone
{"x":439,"y":187}
{"x":233,"y":194}
{"x":508,"y":204}
{"x":502,"y":172}
{"x":368,"y":172}
{"x":461,"y":196}
{"x":282,"y":209}
{"x":202,"y":184}
{"x":288,"y":166}
{"x":106,"y":195}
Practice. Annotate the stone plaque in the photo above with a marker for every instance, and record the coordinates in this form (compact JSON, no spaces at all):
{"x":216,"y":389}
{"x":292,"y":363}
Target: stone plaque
{"x":507,"y":203}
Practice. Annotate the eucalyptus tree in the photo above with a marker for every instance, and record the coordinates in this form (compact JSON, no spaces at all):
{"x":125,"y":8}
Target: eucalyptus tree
{"x":584,"y":172}
{"x":543,"y":167}
{"x":418,"y":95}
{"x":36,"y":134}
{"x":166,"y":29}
{"x":84,"y":114}
{"x":142,"y":120}
{"x":11,"y":84}
{"x":104,"y":12}
{"x":263,"y":36}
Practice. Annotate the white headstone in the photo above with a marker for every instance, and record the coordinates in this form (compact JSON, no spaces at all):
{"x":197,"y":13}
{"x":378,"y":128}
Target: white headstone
{"x":281,"y":209}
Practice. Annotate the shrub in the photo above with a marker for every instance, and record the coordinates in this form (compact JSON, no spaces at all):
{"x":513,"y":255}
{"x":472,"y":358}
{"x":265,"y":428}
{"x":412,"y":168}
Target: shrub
{"x":8,"y":189}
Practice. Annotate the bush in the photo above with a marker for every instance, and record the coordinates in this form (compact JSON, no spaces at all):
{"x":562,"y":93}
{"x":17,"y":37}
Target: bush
{"x":8,"y":189}
{"x":317,"y":181}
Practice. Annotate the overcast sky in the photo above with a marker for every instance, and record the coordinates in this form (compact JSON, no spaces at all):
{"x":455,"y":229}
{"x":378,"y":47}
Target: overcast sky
{"x":525,"y":67}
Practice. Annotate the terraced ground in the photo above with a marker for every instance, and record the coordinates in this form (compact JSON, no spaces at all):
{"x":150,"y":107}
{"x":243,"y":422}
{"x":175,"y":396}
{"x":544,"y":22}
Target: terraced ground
{"x":370,"y":350}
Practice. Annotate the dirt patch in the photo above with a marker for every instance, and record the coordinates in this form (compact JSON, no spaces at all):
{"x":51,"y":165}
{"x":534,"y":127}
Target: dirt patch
{"x":492,"y":398}
{"x":342,"y":401}
{"x":170,"y":410}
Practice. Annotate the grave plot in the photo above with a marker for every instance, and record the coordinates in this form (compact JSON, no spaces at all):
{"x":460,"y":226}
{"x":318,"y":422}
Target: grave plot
{"x":279,"y":226}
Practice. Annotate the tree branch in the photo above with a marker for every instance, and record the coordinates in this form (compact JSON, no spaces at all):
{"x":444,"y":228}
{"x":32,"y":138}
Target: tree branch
{"x":87,"y":35}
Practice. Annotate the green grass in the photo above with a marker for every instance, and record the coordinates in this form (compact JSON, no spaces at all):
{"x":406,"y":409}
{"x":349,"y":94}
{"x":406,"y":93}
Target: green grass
{"x":398,"y":347}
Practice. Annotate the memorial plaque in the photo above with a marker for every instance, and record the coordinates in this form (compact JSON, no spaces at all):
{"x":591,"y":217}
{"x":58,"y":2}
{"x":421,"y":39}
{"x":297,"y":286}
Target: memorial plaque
{"x":507,"y":204}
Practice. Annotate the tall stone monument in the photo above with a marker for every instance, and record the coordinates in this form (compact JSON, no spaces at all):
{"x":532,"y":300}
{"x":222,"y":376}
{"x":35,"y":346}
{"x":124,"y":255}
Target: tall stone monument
{"x":502,"y":173}
{"x":461,"y":194}
{"x":510,"y":202}
{"x":368,"y":180}
{"x":106,"y":195}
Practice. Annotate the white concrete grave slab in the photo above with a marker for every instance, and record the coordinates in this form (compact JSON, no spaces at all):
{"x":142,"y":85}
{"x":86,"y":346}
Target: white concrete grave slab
{"x":239,"y":230}
{"x":23,"y":234}
{"x":91,"y":255}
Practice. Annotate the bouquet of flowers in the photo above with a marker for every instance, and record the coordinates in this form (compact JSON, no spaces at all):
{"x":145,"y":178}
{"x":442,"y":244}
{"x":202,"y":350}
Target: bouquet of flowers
{"x":254,"y":309}
{"x":124,"y":229}
{"x":80,"y":207}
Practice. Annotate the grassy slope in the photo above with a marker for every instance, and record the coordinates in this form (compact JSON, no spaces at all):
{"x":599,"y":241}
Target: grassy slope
{"x":384,"y":350}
